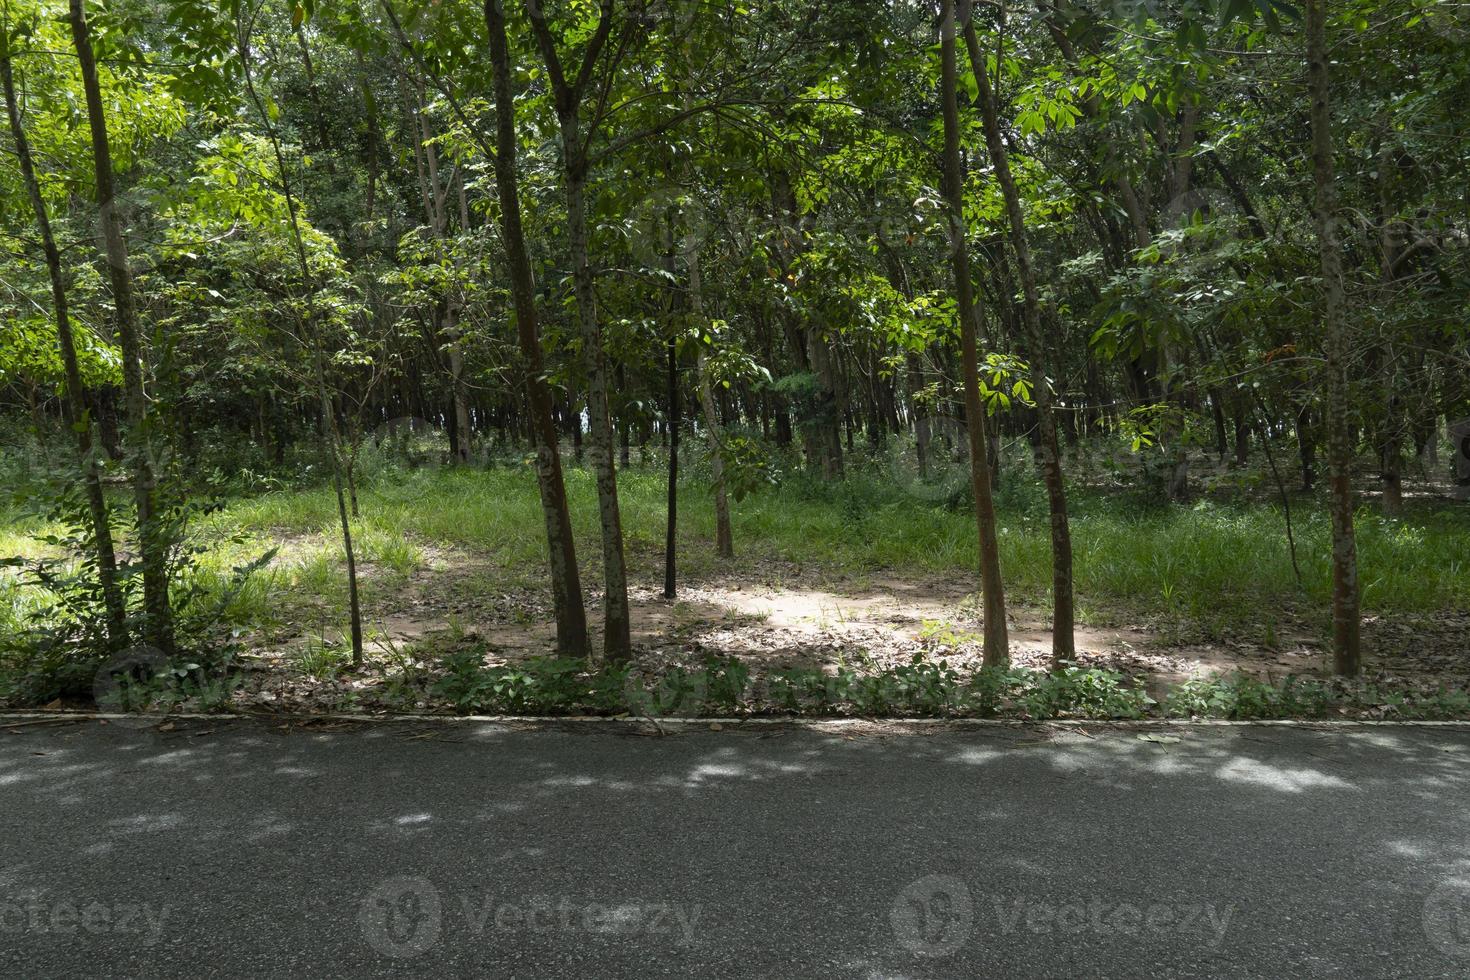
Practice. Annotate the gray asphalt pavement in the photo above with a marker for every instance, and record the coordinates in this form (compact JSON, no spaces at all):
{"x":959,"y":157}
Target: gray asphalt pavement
{"x":236,"y":849}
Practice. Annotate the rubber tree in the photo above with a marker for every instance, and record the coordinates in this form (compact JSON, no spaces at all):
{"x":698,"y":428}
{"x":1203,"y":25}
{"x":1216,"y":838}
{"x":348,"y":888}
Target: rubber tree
{"x":434,"y":192}
{"x":153,"y":542}
{"x":714,"y":436}
{"x":1039,"y":355}
{"x":568,"y":94}
{"x":566,"y":588}
{"x":996,"y":643}
{"x":74,"y":404}
{"x":1338,"y":348}
{"x":331,"y":442}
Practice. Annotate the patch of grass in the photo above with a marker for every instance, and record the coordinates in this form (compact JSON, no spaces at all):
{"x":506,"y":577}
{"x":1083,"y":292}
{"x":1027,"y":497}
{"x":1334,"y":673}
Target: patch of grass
{"x":322,"y":659}
{"x":1211,"y":565}
{"x":1201,"y":569}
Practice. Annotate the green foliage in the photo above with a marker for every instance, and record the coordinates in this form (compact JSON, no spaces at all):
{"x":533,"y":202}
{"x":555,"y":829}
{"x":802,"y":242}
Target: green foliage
{"x":724,"y":686}
{"x":538,"y":685}
{"x":1244,"y":697}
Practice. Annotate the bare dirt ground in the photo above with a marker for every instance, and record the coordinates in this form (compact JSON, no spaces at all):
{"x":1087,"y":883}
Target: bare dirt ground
{"x":783,"y":616}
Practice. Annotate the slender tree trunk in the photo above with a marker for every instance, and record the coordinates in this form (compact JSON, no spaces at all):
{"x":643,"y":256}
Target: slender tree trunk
{"x":672,"y":430}
{"x":568,"y":92}
{"x":153,"y":548}
{"x":571,"y":616}
{"x":620,"y":378}
{"x":370,"y":114}
{"x":74,"y":404}
{"x":617,"y":644}
{"x":435,"y":195}
{"x":1217,"y":413}
{"x":461,"y":419}
{"x":1306,"y":448}
{"x":724,"y":537}
{"x":997,"y":645}
{"x":331,"y":441}
{"x":1063,"y":642}
{"x":1394,"y":422}
{"x":829,"y":411}
{"x":331,"y":445}
{"x":920,"y":415}
{"x":1346,"y":642}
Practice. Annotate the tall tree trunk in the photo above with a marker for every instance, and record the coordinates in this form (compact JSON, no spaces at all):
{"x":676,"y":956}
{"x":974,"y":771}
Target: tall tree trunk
{"x":74,"y":404}
{"x":1346,"y":641}
{"x":1306,"y":447}
{"x":331,"y":443}
{"x":920,"y":414}
{"x":435,"y":195}
{"x":829,"y":411}
{"x":153,"y":546}
{"x":822,"y":430}
{"x":672,"y":429}
{"x":724,"y":537}
{"x":617,"y":645}
{"x":373,"y":137}
{"x":1063,"y":642}
{"x":1391,"y":444}
{"x":566,"y":587}
{"x":330,"y":437}
{"x":997,"y":645}
{"x":620,"y":378}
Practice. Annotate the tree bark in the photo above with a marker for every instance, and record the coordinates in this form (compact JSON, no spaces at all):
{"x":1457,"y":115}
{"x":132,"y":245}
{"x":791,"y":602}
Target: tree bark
{"x":74,"y":404}
{"x":435,"y":196}
{"x":153,"y":546}
{"x":997,"y":646}
{"x":724,"y":537}
{"x":672,"y":428}
{"x":1346,"y":640}
{"x":617,"y":641}
{"x":571,"y":616}
{"x":617,"y":644}
{"x":1063,"y":642}
{"x":330,"y":437}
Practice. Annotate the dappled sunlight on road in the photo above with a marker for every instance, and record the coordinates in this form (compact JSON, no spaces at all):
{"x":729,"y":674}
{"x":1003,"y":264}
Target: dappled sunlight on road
{"x":1024,"y":826}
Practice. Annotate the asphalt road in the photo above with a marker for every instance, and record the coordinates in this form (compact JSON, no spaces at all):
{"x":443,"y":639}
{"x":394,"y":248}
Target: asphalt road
{"x":241,"y":850}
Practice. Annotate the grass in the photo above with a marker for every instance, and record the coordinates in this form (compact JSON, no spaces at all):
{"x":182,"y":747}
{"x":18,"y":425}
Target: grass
{"x":1211,"y":566}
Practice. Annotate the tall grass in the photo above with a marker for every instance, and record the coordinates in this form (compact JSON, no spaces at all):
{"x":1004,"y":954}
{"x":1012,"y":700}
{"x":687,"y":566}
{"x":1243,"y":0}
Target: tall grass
{"x":1211,"y":564}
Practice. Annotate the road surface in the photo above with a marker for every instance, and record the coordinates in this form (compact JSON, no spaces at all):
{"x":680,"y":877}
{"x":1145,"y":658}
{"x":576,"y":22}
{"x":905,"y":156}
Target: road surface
{"x":242,"y":849}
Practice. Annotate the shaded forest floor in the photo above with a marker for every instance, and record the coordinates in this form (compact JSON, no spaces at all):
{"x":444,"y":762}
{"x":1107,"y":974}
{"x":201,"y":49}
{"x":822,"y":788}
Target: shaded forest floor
{"x":865,"y":575}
